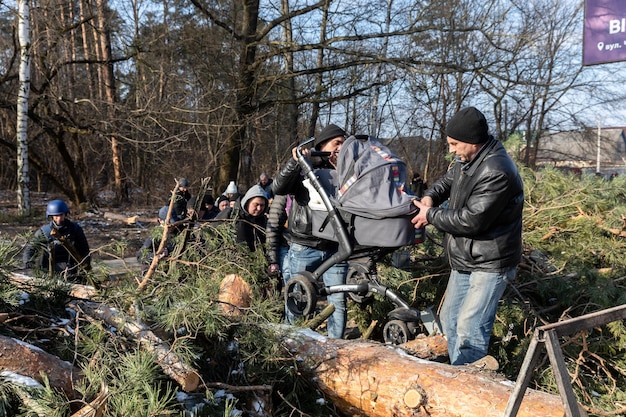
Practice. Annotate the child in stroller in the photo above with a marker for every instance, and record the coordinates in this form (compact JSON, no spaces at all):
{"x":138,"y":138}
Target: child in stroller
{"x":363,"y":206}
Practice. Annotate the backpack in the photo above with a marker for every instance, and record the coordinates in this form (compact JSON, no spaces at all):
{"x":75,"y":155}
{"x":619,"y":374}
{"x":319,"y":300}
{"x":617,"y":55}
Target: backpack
{"x":371,"y":195}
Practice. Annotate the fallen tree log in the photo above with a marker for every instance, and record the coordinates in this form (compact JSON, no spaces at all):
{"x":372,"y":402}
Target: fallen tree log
{"x":75,"y":290}
{"x":371,"y":379}
{"x":129,"y":220}
{"x":427,"y":347}
{"x":25,"y":359}
{"x":171,"y":364}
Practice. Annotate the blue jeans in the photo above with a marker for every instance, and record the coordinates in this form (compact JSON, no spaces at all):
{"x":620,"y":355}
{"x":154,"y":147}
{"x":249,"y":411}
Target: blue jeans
{"x":469,"y":311}
{"x":304,"y":258}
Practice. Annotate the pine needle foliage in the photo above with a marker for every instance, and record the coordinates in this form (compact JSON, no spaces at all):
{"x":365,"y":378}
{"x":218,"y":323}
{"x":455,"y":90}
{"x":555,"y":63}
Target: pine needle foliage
{"x":9,"y":294}
{"x":573,"y":265}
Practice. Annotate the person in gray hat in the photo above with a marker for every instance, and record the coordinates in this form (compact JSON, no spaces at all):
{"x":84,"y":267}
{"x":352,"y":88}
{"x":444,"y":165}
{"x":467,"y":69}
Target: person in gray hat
{"x":483,"y":232}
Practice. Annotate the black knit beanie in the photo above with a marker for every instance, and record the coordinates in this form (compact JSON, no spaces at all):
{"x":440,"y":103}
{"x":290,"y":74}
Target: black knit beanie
{"x":468,"y":125}
{"x":329,"y":132}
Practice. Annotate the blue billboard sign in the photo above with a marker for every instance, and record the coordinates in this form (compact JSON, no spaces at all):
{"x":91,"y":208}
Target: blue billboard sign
{"x":604,"y":38}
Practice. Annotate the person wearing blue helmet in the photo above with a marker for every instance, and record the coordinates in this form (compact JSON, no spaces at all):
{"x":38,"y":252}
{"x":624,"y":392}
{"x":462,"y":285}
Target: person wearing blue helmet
{"x":59,"y":246}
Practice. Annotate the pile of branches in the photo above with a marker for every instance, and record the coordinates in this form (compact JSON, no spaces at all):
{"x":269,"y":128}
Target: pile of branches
{"x":165,"y":349}
{"x":573,"y":264}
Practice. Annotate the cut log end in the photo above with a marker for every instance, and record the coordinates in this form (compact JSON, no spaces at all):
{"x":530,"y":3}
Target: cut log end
{"x":235,"y":295}
{"x":414,"y":398}
{"x":190,"y":382}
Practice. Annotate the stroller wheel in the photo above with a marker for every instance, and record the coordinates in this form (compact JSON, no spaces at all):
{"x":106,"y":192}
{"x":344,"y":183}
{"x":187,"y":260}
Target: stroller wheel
{"x":357,"y":274}
{"x":300,"y":296}
{"x":396,"y":332}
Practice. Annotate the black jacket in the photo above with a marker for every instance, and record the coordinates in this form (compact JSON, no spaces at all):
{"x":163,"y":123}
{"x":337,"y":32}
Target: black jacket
{"x":483,"y":221}
{"x":276,"y":233}
{"x":46,"y":244}
{"x":288,"y":181}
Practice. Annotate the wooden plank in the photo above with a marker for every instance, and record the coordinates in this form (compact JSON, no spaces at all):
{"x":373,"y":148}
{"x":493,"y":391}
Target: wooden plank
{"x":588,"y":321}
{"x":563,"y":379}
{"x":523,"y":379}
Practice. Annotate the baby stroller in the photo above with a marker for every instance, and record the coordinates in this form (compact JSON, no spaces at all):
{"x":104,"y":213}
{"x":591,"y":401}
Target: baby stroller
{"x":366,"y":230}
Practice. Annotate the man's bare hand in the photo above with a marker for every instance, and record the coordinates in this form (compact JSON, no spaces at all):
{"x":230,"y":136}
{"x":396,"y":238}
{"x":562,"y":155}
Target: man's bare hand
{"x":305,"y":152}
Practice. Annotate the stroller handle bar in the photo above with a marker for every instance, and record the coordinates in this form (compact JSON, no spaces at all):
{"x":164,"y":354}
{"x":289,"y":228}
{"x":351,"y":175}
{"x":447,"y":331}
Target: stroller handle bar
{"x":313,"y":152}
{"x":341,"y":233}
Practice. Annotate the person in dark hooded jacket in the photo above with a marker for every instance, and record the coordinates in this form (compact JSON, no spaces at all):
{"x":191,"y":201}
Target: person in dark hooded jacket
{"x":250,"y":218}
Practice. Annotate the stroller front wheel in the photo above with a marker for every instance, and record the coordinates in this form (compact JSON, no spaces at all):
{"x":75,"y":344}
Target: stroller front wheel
{"x":396,"y":332}
{"x":300,"y":296}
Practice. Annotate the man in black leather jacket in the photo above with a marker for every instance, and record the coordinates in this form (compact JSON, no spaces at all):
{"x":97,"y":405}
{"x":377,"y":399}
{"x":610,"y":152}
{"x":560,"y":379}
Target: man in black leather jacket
{"x":307,"y":252}
{"x":483,"y":232}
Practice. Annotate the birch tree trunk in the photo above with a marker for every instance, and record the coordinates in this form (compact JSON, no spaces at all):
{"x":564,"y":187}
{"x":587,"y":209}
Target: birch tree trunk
{"x":23,"y":180}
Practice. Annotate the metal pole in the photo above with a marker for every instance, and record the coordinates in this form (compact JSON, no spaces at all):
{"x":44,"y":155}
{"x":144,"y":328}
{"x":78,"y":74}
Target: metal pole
{"x":598,"y":150}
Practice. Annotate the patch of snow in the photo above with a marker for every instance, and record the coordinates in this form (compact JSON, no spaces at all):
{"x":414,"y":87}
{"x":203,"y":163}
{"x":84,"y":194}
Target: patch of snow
{"x":24,"y":298}
{"x":258,"y":406}
{"x":28,"y":345}
{"x":320,"y":401}
{"x":20,"y":379}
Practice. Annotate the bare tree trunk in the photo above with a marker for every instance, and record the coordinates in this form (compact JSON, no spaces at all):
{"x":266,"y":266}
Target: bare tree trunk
{"x":292,"y":110}
{"x":87,"y":48}
{"x":319,"y":84}
{"x":374,"y":122}
{"x":229,"y":171}
{"x":109,"y":90}
{"x":23,"y":174}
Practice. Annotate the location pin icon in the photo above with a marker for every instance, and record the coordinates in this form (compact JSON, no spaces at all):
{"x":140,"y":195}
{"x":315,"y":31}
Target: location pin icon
{"x":600,"y":46}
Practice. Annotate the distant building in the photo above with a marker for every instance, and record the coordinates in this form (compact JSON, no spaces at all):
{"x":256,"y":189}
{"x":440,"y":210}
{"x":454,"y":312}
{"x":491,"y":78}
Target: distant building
{"x":578,"y":150}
